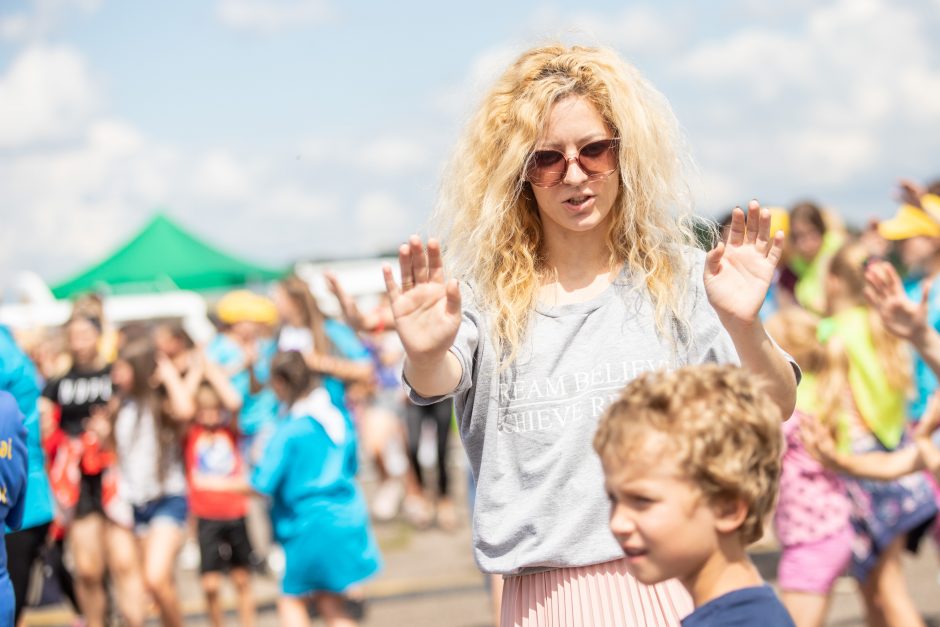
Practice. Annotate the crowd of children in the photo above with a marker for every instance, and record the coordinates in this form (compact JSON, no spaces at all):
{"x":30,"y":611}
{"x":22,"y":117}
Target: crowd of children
{"x":150,"y":440}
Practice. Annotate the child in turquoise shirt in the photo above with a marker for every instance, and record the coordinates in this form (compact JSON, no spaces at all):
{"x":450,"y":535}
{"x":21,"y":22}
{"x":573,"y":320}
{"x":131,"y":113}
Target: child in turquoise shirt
{"x":318,"y":512}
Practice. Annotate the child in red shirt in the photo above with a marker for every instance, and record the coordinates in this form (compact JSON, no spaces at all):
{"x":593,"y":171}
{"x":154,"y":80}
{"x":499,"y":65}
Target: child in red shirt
{"x":213,"y":465}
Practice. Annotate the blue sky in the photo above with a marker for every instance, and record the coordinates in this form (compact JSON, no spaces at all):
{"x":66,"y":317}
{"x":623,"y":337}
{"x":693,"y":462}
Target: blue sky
{"x":286,"y":129}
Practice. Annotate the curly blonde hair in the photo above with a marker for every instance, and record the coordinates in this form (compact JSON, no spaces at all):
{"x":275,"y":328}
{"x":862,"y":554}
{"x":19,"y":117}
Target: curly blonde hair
{"x":488,"y":214}
{"x":723,"y":430}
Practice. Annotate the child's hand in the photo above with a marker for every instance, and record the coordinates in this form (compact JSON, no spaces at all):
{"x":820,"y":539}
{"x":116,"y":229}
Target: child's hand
{"x":901,"y":316}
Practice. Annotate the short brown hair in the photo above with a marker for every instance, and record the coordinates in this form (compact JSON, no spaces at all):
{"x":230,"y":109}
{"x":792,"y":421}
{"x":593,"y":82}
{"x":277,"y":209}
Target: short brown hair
{"x":723,"y":429}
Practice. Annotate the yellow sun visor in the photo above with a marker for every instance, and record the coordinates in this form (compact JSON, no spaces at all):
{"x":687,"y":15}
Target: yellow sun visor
{"x":909,"y":222}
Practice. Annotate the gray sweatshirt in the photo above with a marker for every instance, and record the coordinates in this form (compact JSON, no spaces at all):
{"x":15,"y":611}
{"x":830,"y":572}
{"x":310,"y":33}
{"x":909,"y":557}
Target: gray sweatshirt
{"x":528,"y":429}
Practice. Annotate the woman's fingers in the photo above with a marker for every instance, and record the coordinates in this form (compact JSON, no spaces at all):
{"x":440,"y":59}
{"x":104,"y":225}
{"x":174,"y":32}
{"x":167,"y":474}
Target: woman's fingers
{"x":405,"y":264}
{"x":452,"y":291}
{"x":419,"y":260}
{"x":713,"y":259}
{"x":736,"y":232}
{"x":775,"y":251}
{"x":435,"y":262}
{"x":390,"y":286}
{"x":764,"y":236}
{"x":754,"y":222}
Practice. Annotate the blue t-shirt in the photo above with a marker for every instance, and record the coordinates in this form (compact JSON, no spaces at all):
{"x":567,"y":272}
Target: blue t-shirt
{"x":925,"y":382}
{"x":309,"y":479}
{"x":260,"y":408}
{"x":18,"y":377}
{"x":746,"y":607}
{"x":14,"y":469}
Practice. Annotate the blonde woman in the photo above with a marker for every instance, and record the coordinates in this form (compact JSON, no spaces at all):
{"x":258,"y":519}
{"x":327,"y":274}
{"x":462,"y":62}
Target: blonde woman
{"x":568,"y":231}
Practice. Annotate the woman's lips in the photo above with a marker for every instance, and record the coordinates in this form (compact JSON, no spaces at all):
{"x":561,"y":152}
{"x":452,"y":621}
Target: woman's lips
{"x":577,"y":204}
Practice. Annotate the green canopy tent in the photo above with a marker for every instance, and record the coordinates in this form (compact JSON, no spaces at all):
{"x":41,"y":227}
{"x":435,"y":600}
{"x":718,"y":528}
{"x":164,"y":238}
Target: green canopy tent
{"x":165,"y":257}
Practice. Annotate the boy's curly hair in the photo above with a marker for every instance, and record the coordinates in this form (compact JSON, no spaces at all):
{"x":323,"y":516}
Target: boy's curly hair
{"x":724,"y":433}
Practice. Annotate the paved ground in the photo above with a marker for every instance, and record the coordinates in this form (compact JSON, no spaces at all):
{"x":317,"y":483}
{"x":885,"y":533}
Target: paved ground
{"x":430,"y":580}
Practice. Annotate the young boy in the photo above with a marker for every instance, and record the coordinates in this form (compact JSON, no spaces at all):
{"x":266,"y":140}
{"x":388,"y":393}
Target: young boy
{"x":691,"y":462}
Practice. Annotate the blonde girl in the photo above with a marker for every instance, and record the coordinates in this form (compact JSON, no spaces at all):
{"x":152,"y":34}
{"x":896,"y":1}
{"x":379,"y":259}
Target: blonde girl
{"x":876,"y":375}
{"x":811,"y":519}
{"x":574,"y":270}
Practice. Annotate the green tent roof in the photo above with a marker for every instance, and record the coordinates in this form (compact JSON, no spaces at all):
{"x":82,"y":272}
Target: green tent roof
{"x":164,"y":257}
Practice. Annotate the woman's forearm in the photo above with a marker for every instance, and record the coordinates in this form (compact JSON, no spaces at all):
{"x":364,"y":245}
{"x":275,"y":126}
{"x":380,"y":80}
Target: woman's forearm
{"x":761,"y":356}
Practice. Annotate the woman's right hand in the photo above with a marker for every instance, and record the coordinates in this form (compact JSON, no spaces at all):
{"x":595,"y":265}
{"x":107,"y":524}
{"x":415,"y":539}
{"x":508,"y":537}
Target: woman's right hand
{"x":426,"y":307}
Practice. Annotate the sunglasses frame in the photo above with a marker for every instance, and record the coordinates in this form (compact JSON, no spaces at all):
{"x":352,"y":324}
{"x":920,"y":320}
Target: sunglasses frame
{"x":613,"y":144}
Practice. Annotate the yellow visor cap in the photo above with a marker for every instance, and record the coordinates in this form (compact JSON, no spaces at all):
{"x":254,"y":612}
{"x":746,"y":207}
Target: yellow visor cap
{"x":909,"y":222}
{"x":245,"y":306}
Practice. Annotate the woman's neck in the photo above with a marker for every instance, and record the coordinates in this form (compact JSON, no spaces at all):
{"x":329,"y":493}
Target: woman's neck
{"x":575,"y":259}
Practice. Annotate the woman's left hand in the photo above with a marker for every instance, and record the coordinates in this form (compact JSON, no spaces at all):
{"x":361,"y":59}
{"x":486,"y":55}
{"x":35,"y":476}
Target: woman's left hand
{"x":738,"y":272}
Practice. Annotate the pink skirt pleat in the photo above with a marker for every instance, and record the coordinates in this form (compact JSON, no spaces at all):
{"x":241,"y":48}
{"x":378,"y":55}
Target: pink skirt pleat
{"x":602,"y":595}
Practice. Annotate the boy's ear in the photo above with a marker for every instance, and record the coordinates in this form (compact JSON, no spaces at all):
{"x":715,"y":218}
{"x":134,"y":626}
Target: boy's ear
{"x":729,"y":514}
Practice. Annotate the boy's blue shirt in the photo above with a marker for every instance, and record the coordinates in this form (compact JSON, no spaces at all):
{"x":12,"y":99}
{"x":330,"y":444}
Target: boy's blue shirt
{"x":747,"y":607}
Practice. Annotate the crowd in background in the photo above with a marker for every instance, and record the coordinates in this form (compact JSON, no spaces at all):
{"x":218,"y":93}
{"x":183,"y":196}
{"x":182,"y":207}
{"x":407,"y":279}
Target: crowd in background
{"x":239,"y":446}
{"x":141,"y":440}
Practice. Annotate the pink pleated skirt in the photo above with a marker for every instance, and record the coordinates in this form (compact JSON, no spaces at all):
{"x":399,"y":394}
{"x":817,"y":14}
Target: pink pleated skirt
{"x":602,"y":595}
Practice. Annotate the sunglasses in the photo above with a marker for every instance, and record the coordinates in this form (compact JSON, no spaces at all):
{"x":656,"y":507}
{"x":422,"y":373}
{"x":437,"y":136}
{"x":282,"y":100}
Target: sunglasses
{"x":547,"y":168}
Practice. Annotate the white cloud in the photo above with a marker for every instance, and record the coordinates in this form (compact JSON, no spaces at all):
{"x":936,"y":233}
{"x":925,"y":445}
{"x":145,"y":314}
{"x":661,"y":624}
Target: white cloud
{"x":381,"y":220}
{"x":272,"y":16}
{"x":393,"y":155}
{"x":634,"y":30}
{"x":220,"y":176}
{"x":388,"y":155}
{"x":47,"y":94}
{"x":41,"y":18}
{"x":817,"y":106}
{"x":459,"y":99}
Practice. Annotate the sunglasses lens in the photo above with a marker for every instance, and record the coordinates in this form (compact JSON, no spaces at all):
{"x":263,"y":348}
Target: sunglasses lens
{"x":598,"y":157}
{"x":546,"y":167}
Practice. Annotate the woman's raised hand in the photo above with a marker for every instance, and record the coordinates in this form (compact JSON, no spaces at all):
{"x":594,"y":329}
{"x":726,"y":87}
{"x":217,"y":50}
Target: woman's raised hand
{"x":426,"y":307}
{"x":738,"y":272}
